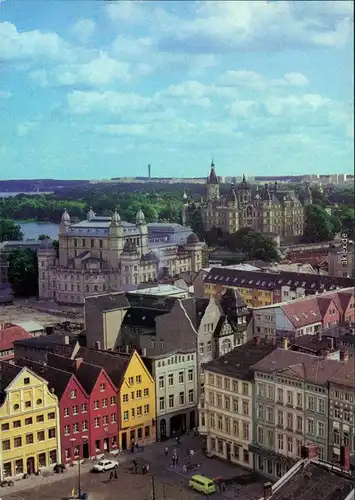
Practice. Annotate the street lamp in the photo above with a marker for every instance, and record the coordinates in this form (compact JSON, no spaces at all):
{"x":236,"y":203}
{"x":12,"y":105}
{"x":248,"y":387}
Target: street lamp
{"x":73,"y":440}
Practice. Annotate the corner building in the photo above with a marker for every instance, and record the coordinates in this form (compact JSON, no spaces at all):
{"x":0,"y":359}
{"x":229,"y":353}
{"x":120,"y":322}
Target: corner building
{"x":29,"y":422}
{"x":103,"y":254}
{"x":271,"y":210}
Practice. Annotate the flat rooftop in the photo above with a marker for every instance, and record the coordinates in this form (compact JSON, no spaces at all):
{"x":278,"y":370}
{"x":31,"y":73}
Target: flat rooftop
{"x":160,"y":291}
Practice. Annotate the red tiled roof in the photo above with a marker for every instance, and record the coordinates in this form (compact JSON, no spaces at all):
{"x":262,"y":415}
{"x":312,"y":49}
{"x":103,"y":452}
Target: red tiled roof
{"x":9,"y":335}
{"x":345,"y":375}
{"x":344,"y":299}
{"x":303,"y":312}
{"x":323,"y":304}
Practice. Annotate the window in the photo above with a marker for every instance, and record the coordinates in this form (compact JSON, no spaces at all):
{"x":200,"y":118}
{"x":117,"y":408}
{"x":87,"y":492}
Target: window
{"x":17,"y":424}
{"x":337,"y":412}
{"x":39,"y":401}
{"x":290,"y":445}
{"x":219,"y":381}
{"x":261,"y":390}
{"x":212,"y":420}
{"x":139,"y":411}
{"x":102,"y":387}
{"x":66,"y":412}
{"x":280,"y":419}
{"x":336,"y":436}
{"x":73,"y":394}
{"x":75,"y":410}
{"x":28,"y":404}
{"x":270,"y":438}
{"x":113,"y":400}
{"x":299,"y":423}
{"x":310,"y":403}
{"x":6,"y":445}
{"x":220,"y":422}
{"x":84,"y":426}
{"x":211,"y":379}
{"x":245,"y":389}
{"x":97,"y":421}
{"x":191,"y":396}
{"x":171,"y":400}
{"x":260,"y":435}
{"x":125,"y":416}
{"x":5,"y":427}
{"x":321,"y":406}
{"x":51,"y":416}
{"x":113,"y":418}
{"x":75,"y":428}
{"x":105,"y":420}
{"x":181,"y":377}
{"x":211,"y":398}
{"x":346,"y":415}
{"x":161,"y":382}
{"x":280,"y":441}
{"x":66,"y":430}
{"x":105,"y":403}
{"x":290,"y":421}
{"x":280,"y":396}
{"x":320,"y":429}
{"x":226,"y":384}
{"x":245,"y":430}
{"x":146,"y":392}
{"x":227,"y":425}
{"x":190,"y":375}
{"x":146,"y":409}
{"x":299,"y":400}
{"x":299,"y":447}
{"x":310,"y":426}
{"x":227,"y":402}
{"x":245,"y":408}
{"x":289,"y":397}
{"x":162,"y":403}
{"x":138,"y":394}
{"x":40,"y":418}
{"x":260,"y":412}
{"x":235,"y":386}
{"x":26,"y":380}
{"x":270,"y":414}
{"x":171,"y":379}
{"x":40,"y":436}
{"x":236,"y":405}
{"x":182,"y":398}
{"x":131,"y":380}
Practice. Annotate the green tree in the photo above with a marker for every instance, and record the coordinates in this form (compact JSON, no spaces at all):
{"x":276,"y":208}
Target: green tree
{"x":319,"y":225}
{"x":254,"y":244}
{"x":346,"y":216}
{"x":42,"y":237}
{"x":10,"y":231}
{"x":23,"y":272}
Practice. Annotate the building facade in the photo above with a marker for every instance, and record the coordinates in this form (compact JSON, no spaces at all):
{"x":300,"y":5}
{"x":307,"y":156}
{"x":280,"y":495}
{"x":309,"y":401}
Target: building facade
{"x":29,"y":420}
{"x":175,"y":376}
{"x":290,"y":409}
{"x":341,"y":259}
{"x":271,"y":210}
{"x":104,"y":253}
{"x":226,"y":411}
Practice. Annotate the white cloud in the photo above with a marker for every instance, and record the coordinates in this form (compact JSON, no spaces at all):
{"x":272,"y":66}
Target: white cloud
{"x":40,"y":76}
{"x":242,"y":78}
{"x":25,"y":128}
{"x":83,"y":29}
{"x":286,"y":105}
{"x":294,"y":80}
{"x":124,"y":130}
{"x":243,"y":109}
{"x":4,"y":94}
{"x":30,"y":45}
{"x":82,"y":103}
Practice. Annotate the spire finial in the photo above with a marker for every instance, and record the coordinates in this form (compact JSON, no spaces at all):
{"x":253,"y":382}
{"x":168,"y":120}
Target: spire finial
{"x":212,"y":163}
{"x":244,"y":178}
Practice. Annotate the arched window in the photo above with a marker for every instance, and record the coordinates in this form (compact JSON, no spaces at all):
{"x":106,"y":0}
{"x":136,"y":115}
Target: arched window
{"x":249,"y":211}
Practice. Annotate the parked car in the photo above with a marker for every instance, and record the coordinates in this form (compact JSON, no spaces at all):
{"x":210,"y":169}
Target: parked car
{"x":105,"y":465}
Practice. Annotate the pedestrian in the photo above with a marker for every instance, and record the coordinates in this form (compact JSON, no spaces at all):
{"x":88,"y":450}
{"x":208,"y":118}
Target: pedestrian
{"x":116,"y":476}
{"x":147,"y":468}
{"x":132,"y":449}
{"x":166,"y":451}
{"x":192,"y":453}
{"x":111,"y":476}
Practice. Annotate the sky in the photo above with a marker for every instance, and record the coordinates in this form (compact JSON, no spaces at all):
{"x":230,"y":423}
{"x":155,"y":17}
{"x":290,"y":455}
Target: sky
{"x":101,"y":89}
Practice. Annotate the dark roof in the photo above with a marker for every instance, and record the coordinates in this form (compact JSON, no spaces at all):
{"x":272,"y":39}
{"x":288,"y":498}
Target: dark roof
{"x":192,"y":238}
{"x":237,"y":363}
{"x":114,"y":366}
{"x":8,"y":373}
{"x":87,"y":374}
{"x":108,"y":301}
{"x":232,"y":300}
{"x":299,"y":365}
{"x":271,"y":280}
{"x":315,"y":480}
{"x":48,"y":341}
{"x":313,"y":344}
{"x":57,"y":379}
{"x":212,"y":179}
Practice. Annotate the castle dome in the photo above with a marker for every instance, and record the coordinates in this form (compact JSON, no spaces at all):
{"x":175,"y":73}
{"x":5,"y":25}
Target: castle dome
{"x":115,"y":219}
{"x":140,"y":218}
{"x":192,"y":239}
{"x":91,"y":214}
{"x":65,"y":217}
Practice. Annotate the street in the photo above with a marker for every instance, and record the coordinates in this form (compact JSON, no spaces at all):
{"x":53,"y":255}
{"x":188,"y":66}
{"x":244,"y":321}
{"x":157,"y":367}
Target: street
{"x":170,"y":483}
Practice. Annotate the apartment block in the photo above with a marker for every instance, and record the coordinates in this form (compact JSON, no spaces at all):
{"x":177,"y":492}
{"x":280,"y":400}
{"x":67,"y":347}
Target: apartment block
{"x":291,"y":408}
{"x":226,"y":412}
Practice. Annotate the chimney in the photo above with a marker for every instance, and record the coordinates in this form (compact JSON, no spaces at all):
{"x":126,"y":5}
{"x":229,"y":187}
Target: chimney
{"x":49,"y":330}
{"x":143,"y":352}
{"x":66,"y":339}
{"x":78,"y":362}
{"x":344,"y":356}
{"x":267,"y":493}
{"x":309,"y":451}
{"x":286,"y":343}
{"x":256,"y":340}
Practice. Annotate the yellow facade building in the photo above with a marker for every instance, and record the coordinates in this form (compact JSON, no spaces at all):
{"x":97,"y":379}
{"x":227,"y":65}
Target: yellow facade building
{"x":29,"y":422}
{"x":137,"y":404}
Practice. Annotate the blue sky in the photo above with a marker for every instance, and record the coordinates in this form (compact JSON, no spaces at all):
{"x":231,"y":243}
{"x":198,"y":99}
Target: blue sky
{"x":101,"y":89}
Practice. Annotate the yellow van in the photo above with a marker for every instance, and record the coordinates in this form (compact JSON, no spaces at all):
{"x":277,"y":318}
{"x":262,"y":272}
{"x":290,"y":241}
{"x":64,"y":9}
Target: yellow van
{"x":202,"y":484}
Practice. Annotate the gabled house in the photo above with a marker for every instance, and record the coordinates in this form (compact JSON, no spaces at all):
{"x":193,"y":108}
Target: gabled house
{"x":135,"y":393}
{"x":8,"y":336}
{"x":329,"y":312}
{"x":74,"y":406}
{"x":102,"y":404}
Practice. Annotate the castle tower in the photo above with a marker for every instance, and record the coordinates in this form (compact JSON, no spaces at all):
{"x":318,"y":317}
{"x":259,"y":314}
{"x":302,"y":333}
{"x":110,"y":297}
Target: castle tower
{"x":47,"y":257}
{"x":194,"y":247}
{"x":115,"y":240}
{"x":129,"y":261}
{"x":63,"y":240}
{"x":212,"y":187}
{"x":143,"y":230}
{"x":184,"y":209}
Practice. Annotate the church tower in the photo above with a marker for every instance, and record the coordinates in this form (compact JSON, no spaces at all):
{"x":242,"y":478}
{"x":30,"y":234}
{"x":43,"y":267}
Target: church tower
{"x":184,"y":208}
{"x":212,"y":187}
{"x":115,"y":240}
{"x":143,"y":230}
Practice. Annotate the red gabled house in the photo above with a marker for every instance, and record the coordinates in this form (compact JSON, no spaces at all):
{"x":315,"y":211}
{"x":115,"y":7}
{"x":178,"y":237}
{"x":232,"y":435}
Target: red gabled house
{"x":329,"y":311}
{"x":102,"y":404}
{"x":8,"y":335}
{"x":73,"y":409}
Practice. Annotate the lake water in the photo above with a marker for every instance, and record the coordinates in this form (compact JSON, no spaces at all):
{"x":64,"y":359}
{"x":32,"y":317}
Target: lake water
{"x":31,"y":230}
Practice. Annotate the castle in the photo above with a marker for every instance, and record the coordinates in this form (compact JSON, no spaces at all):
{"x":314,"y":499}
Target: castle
{"x":270,"y":210}
{"x":106,"y":254}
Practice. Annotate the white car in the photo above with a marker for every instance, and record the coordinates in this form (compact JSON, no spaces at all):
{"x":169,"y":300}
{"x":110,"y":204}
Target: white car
{"x":105,"y":465}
